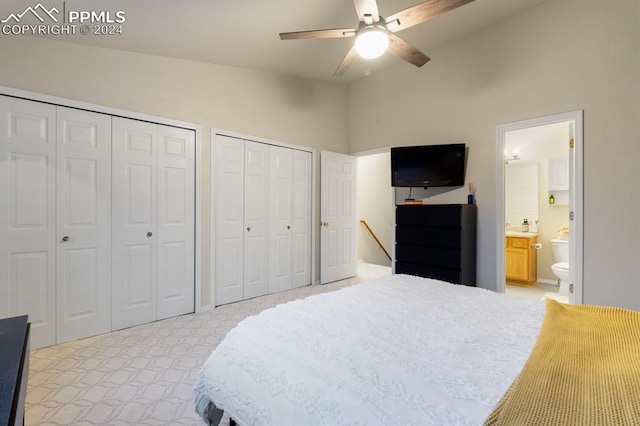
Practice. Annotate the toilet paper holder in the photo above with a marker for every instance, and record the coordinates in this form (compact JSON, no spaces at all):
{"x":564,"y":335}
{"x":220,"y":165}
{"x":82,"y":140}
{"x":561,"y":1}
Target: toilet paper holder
{"x":537,"y":246}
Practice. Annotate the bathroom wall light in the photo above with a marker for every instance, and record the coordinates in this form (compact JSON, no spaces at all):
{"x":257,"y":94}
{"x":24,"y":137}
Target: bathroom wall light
{"x":513,"y":158}
{"x":372,"y":42}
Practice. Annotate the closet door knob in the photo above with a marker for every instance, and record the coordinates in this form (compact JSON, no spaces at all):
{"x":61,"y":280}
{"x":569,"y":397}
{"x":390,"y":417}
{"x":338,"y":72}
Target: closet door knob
{"x":149,"y":234}
{"x":288,"y":226}
{"x":248,"y":228}
{"x":65,"y":238}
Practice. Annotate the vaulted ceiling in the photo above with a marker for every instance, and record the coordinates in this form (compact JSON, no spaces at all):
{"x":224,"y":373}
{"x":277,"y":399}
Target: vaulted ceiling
{"x":244,"y":33}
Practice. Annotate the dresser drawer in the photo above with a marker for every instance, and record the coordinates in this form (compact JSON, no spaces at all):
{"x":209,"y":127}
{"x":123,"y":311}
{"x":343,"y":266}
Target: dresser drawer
{"x":429,"y":215}
{"x":431,"y":256}
{"x":516,"y":242}
{"x":449,"y":275}
{"x":432,"y":237}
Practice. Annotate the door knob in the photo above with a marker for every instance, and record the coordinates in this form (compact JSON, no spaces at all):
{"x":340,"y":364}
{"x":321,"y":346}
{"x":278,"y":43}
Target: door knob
{"x":288,"y":226}
{"x":65,"y":238}
{"x":149,"y":234}
{"x":248,"y":228}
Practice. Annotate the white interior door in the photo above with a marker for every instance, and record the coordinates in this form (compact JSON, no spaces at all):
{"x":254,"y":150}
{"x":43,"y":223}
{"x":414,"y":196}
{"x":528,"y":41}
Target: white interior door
{"x":337,"y":214}
{"x":83,"y":224}
{"x":301,"y":218}
{"x":280,"y":270}
{"x":229,"y":219}
{"x":134,"y":198}
{"x":176,"y":227}
{"x":27,"y":215}
{"x":256,"y":220}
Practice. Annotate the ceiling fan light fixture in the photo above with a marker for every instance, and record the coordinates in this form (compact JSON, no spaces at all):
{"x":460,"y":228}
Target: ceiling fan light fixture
{"x":372,"y":42}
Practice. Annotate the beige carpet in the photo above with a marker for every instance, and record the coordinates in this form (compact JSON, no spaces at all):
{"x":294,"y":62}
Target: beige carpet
{"x":142,"y":375}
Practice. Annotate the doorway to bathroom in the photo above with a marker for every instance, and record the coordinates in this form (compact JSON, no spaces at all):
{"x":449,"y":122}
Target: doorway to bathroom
{"x":539,"y":206}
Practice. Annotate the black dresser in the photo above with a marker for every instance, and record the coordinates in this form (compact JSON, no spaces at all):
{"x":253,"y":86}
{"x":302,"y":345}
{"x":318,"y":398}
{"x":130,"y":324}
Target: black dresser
{"x":14,"y":369}
{"x":437,"y":241}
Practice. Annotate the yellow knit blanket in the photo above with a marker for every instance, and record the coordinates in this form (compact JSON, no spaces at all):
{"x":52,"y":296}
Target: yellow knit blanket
{"x":583,"y":370}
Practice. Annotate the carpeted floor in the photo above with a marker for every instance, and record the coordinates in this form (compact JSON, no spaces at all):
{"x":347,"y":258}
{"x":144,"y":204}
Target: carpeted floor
{"x":141,"y":375}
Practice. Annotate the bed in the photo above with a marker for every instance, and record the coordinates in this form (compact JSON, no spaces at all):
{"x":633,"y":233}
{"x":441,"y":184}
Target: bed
{"x":412,"y":351}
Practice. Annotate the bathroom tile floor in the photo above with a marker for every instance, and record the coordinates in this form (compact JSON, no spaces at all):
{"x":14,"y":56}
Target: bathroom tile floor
{"x":538,"y":292}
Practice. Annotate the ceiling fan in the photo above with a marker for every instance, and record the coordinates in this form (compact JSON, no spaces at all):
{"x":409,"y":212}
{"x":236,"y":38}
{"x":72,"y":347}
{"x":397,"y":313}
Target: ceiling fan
{"x":375,"y":34}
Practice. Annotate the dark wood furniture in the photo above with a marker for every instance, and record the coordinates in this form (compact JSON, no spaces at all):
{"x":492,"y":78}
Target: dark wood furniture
{"x":14,"y":369}
{"x":437,"y":241}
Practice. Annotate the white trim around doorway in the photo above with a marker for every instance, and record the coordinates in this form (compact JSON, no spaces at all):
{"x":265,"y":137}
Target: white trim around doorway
{"x":575,"y":203}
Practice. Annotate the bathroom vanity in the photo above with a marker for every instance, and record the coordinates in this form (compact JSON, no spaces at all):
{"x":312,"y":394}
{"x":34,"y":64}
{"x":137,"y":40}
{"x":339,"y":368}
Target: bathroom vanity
{"x":521,"y":258}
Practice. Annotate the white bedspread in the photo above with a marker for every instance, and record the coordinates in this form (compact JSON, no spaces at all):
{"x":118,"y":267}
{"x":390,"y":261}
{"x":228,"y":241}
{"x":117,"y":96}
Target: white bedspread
{"x":395,"y":350}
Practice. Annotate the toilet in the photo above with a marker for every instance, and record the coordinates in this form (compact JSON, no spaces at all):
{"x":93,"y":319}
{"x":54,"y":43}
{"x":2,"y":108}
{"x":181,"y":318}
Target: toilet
{"x":561,"y":268}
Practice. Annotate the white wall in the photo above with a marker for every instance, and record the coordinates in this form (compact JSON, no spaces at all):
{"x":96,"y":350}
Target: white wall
{"x":375,"y":205}
{"x":561,"y":56}
{"x":302,"y":112}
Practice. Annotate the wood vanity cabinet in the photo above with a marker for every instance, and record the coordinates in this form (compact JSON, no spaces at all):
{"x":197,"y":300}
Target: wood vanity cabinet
{"x":521,"y":259}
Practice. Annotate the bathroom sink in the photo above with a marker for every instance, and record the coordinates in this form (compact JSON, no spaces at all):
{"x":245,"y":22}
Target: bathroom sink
{"x":520,"y":234}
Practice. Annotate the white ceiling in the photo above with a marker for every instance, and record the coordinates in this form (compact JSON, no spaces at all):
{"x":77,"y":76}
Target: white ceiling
{"x":244,"y":33}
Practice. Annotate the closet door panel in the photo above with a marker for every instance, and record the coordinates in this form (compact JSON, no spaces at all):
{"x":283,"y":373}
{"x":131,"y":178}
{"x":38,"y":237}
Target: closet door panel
{"x":27,"y":215}
{"x":176,"y":226}
{"x":280,"y":219}
{"x":301,"y":218}
{"x":229,"y":219}
{"x":83,"y":224}
{"x":134,"y":198}
{"x":256,"y":219}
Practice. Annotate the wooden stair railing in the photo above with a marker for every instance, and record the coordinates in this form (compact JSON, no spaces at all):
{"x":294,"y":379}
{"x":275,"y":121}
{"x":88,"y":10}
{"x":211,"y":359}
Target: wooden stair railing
{"x":366,"y":225}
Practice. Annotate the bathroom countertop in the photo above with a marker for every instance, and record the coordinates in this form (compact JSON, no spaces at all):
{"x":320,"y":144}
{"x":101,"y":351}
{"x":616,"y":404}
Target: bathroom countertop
{"x":520,"y":234}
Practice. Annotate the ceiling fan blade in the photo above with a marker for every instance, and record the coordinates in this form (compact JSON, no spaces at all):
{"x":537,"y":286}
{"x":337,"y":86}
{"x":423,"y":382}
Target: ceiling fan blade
{"x":403,"y":50}
{"x":421,"y":12}
{"x":333,"y":33}
{"x":367,"y":7}
{"x":346,"y":62}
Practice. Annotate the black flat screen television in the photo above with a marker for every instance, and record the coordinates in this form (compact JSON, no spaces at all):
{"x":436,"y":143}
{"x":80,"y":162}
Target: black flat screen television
{"x":428,"y":165}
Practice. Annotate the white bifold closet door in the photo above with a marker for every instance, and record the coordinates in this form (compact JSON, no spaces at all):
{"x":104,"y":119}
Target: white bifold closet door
{"x":27,"y":215}
{"x":290,"y":218}
{"x":280,"y":219}
{"x":153,"y":208}
{"x":256,"y":219}
{"x":83,"y":213}
{"x":301,"y":217}
{"x":242,"y":219}
{"x":55,"y":177}
{"x":263,"y":218}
